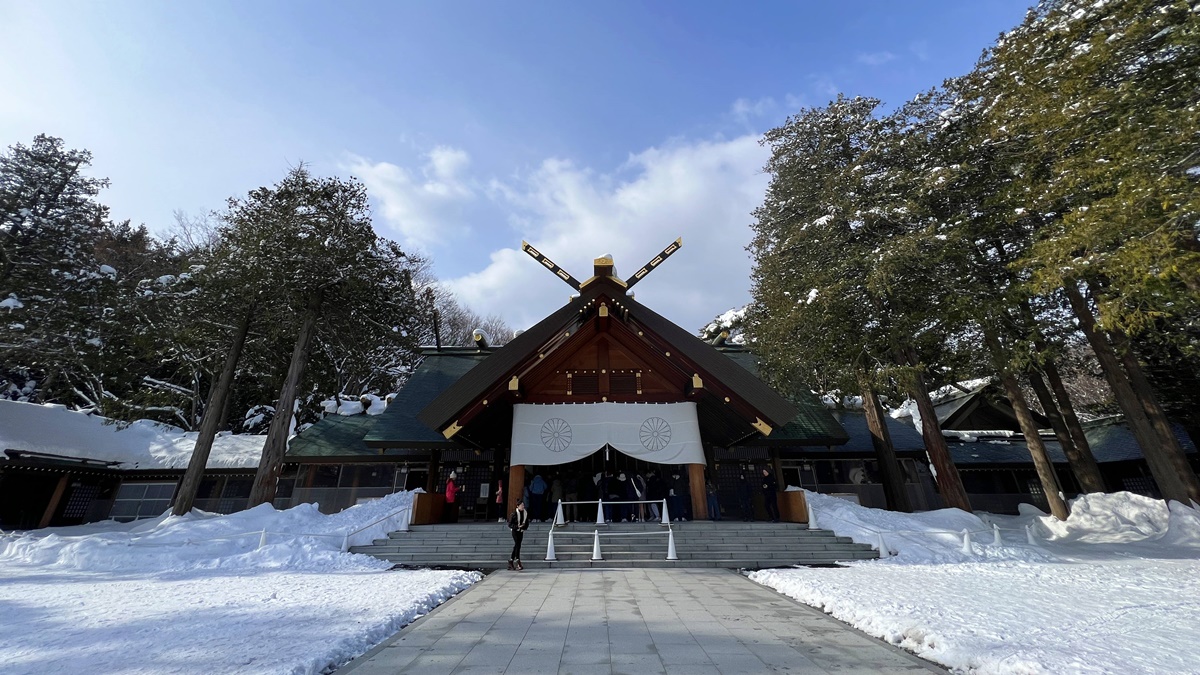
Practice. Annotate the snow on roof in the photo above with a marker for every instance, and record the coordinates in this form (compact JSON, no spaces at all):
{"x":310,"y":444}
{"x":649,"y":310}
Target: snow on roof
{"x":373,"y":405}
{"x":55,"y":430}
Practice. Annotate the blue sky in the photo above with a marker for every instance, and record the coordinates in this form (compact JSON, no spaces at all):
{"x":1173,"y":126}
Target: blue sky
{"x":584,"y":128}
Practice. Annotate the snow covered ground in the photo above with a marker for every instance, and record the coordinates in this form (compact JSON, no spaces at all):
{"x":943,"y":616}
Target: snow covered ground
{"x":199,"y":594}
{"x":1114,"y":589}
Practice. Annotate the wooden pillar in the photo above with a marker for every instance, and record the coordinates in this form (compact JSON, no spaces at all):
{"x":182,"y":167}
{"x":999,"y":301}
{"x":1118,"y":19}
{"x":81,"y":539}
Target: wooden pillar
{"x":699,"y":494}
{"x":516,"y":486}
{"x":54,"y":500}
{"x":435,"y":470}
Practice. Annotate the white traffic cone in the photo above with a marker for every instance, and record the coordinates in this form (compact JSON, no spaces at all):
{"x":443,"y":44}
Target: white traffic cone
{"x":666,"y":519}
{"x":559,"y":520}
{"x":596,"y":547}
{"x":995,"y":534}
{"x":600,"y":512}
{"x":671,"y":545}
{"x":966,"y":547}
{"x":550,"y":546}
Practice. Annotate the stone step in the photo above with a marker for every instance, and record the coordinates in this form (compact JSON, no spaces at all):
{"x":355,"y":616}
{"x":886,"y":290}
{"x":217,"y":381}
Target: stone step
{"x":697,"y":544}
{"x":559,"y":542}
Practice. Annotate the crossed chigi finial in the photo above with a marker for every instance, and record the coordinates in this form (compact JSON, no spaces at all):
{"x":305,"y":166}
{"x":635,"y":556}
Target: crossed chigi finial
{"x":600,"y":262}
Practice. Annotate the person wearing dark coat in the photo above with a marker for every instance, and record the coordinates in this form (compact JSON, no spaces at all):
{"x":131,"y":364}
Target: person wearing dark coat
{"x":675,"y":497}
{"x":770,"y":488}
{"x":654,"y":490}
{"x":744,"y":494}
{"x":537,"y":492}
{"x":518,"y":522}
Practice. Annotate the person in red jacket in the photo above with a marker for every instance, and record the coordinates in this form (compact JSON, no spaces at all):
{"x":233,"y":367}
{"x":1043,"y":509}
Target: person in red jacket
{"x":451,"y":512}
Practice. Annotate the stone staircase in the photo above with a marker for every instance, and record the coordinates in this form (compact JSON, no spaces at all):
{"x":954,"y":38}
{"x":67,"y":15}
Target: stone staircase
{"x":704,"y":543}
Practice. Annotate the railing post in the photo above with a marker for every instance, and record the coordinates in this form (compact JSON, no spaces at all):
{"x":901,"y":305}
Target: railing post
{"x":600,"y":512}
{"x":262,"y":541}
{"x":1029,"y":538}
{"x":966,"y":547}
{"x":671,"y":545}
{"x":666,"y":519}
{"x":883,"y":549}
{"x":550,"y":546}
{"x":559,"y":520}
{"x":596,"y":547}
{"x":995,"y":534}
{"x":345,"y":543}
{"x":404,"y":521}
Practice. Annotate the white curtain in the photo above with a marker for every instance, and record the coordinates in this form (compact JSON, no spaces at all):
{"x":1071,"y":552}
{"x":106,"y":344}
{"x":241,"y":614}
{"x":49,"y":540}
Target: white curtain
{"x":663,"y":433}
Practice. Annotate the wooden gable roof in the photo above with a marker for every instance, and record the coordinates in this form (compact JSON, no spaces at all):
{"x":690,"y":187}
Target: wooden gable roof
{"x":734,"y":404}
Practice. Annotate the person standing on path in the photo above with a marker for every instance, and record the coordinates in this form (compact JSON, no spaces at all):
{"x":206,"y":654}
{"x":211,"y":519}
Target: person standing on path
{"x":518,"y":522}
{"x":770,"y":488}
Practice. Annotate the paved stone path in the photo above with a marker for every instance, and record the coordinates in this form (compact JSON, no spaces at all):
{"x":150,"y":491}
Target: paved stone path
{"x":641,"y":621}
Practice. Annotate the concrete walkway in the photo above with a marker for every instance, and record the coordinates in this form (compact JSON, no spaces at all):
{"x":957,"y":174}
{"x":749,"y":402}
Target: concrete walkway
{"x":639,"y":621}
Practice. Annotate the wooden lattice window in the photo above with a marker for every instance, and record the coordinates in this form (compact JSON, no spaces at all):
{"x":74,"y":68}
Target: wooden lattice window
{"x":626,"y":383}
{"x":586,"y":384}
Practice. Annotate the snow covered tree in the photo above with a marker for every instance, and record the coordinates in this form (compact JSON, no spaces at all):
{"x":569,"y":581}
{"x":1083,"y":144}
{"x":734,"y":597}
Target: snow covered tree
{"x":829,"y":308}
{"x":55,"y":297}
{"x":314,"y":239}
{"x":1095,"y":107}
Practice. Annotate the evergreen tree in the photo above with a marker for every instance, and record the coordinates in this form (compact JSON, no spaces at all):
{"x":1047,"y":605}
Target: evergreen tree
{"x":55,"y":296}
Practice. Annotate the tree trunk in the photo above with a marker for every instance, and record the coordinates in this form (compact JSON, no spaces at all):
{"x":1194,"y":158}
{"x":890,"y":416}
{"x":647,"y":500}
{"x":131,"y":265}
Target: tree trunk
{"x":1029,"y":428}
{"x":217,"y":399}
{"x":1037,"y":449}
{"x":885,"y":452}
{"x":266,"y":479}
{"x":1170,"y":446}
{"x":1069,"y":416}
{"x":1171,"y":483}
{"x":1083,"y":464}
{"x":948,"y":481}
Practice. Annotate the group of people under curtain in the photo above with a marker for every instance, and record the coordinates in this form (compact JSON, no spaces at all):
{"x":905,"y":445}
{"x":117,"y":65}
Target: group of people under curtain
{"x":542,"y":495}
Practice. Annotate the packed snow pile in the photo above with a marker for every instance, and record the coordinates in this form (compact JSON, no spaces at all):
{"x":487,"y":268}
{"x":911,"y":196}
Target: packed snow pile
{"x":299,"y":538}
{"x":931,"y":537}
{"x":55,"y":430}
{"x":1113,"y":589}
{"x":199,"y":595}
{"x":1123,"y":518}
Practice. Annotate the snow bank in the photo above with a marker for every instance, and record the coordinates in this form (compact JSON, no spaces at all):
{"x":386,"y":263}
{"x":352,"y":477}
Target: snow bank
{"x":1123,"y":517}
{"x":1113,"y":589}
{"x":55,"y":430}
{"x":931,"y":537}
{"x":198,"y":595}
{"x":299,"y":538}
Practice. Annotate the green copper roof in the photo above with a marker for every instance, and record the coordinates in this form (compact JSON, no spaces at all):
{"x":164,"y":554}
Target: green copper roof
{"x":334,"y":436}
{"x":398,"y":426}
{"x":814,"y":425}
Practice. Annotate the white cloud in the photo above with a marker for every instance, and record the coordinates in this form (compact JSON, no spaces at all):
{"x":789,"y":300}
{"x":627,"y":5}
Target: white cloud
{"x":745,"y":111}
{"x":703,"y":191}
{"x":875,"y":58}
{"x":423,"y":207}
